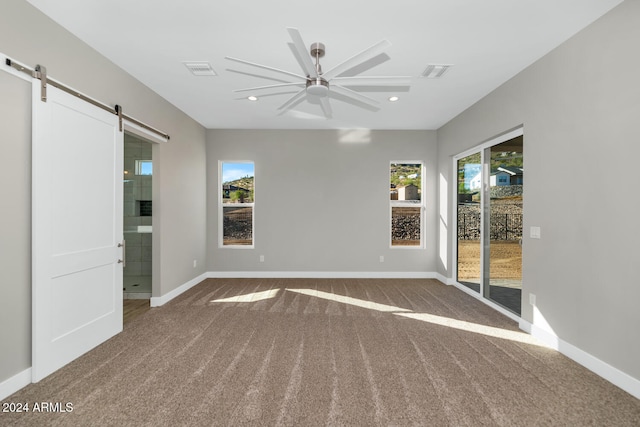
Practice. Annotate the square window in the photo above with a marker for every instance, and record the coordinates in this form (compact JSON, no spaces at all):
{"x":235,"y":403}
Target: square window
{"x":144,"y":167}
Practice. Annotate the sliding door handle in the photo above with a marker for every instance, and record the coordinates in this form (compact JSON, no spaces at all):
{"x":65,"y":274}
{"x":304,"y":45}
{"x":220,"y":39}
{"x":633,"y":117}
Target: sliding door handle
{"x":123,"y":261}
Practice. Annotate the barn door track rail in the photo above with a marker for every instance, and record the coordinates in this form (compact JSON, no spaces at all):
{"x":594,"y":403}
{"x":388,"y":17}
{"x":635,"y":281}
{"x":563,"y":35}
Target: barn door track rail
{"x":40,"y":72}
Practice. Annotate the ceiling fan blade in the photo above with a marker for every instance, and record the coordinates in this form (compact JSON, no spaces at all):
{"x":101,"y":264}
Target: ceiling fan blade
{"x":365,"y":55}
{"x":277,"y":70}
{"x":326,"y":107}
{"x":372,"y":81}
{"x":301,"y":49}
{"x":268,"y":87}
{"x":295,"y":98}
{"x":348,"y":93}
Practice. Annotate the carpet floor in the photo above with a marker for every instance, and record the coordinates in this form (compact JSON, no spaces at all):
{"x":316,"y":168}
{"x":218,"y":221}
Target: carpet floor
{"x":307,"y":352}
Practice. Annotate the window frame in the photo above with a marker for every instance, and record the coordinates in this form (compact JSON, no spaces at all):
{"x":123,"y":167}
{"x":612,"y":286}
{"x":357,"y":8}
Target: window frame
{"x":221,"y":206}
{"x":408,"y":203}
{"x":138,"y":166}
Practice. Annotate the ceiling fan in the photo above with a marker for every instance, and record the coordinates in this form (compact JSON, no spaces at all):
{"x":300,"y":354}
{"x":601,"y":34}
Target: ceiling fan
{"x":319,"y":85}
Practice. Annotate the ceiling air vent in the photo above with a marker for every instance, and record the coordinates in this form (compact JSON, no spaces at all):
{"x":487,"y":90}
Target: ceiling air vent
{"x":200,"y":68}
{"x":434,"y":71}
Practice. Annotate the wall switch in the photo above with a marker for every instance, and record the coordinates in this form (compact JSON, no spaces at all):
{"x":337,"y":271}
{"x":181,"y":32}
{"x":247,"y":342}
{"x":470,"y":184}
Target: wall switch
{"x":261,"y":258}
{"x":532,"y":299}
{"x":195,"y":263}
{"x":381,"y":258}
{"x":534,"y":232}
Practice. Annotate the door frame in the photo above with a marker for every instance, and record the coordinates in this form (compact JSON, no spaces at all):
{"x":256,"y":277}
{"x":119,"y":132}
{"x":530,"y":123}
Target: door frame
{"x":506,"y":136}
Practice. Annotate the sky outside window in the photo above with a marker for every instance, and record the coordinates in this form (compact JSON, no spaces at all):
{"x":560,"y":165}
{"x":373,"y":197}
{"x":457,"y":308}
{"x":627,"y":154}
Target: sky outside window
{"x":233,"y":171}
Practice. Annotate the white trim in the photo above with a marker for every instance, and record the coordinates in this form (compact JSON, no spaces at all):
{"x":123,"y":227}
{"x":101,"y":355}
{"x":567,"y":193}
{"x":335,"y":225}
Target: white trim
{"x":15,"y":383}
{"x":323,"y":274}
{"x":442,"y":279}
{"x":551,"y":340}
{"x":12,"y":70}
{"x":142,"y":132}
{"x":162,"y":300}
{"x":449,"y":281}
{"x":615,"y":376}
{"x":495,"y":140}
{"x":138,"y":164}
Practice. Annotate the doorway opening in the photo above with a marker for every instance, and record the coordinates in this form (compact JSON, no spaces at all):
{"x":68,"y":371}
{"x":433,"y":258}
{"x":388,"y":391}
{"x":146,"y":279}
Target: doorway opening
{"x":489,"y":208}
{"x":138,"y":217}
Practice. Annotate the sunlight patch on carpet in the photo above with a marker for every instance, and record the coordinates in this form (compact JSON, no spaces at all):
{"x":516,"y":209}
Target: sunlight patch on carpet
{"x":349,"y":300}
{"x":473,"y":327}
{"x":425,"y":317}
{"x":252,"y":297}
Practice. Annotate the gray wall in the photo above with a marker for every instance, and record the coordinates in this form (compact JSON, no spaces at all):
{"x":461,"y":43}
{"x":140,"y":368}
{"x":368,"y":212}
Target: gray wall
{"x":179,"y":182}
{"x":15,"y":226}
{"x":580,"y":106}
{"x":322,"y":202}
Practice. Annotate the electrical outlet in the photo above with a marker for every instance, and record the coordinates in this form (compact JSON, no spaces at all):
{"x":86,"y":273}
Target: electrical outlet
{"x":381,"y":258}
{"x":532,"y":299}
{"x":195,"y":263}
{"x":261,"y":258}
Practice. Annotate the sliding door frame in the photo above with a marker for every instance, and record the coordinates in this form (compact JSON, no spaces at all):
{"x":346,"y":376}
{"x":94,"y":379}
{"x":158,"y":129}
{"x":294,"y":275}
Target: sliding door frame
{"x":484,"y":259}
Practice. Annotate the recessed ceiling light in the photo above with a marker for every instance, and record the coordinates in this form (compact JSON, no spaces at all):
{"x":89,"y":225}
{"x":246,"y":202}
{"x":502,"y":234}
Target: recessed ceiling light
{"x":393,"y":98}
{"x":252,"y":98}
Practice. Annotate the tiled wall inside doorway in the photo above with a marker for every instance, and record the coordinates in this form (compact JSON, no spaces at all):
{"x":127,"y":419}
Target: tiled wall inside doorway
{"x":137,"y":216}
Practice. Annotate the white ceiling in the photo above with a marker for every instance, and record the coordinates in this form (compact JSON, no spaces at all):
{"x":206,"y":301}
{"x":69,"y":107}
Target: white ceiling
{"x":488,"y":42}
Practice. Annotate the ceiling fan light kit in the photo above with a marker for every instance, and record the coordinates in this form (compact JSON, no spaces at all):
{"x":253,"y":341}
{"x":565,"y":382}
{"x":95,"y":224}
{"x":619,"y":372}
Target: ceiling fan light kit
{"x":322,"y":85}
{"x":317,"y":86}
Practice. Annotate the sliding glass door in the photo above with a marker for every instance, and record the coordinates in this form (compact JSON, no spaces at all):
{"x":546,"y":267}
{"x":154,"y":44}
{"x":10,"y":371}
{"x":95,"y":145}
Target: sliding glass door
{"x":505,"y":224}
{"x":489,"y":214}
{"x":469,"y":224}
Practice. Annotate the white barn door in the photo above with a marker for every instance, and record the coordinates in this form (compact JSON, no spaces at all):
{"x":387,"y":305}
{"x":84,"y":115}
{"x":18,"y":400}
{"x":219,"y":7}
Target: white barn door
{"x":77,"y":228}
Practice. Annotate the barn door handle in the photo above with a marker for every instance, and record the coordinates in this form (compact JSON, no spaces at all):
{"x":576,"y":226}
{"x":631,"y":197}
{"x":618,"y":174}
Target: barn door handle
{"x":123,"y":261}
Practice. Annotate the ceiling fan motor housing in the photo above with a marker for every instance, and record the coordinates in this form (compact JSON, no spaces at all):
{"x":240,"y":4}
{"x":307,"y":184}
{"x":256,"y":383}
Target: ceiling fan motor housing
{"x":317,"y":50}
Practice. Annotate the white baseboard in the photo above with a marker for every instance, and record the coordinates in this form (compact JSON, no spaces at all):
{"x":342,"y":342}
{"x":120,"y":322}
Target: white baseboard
{"x":161,"y":300}
{"x":443,"y":279}
{"x":615,"y":376}
{"x":323,"y":274}
{"x":15,"y":383}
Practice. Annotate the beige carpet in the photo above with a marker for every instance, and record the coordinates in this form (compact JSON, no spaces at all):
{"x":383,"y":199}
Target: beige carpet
{"x":302,"y":352}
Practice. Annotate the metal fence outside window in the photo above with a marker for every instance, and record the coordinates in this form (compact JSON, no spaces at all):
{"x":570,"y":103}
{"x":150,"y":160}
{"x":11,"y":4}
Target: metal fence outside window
{"x":502,"y":226}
